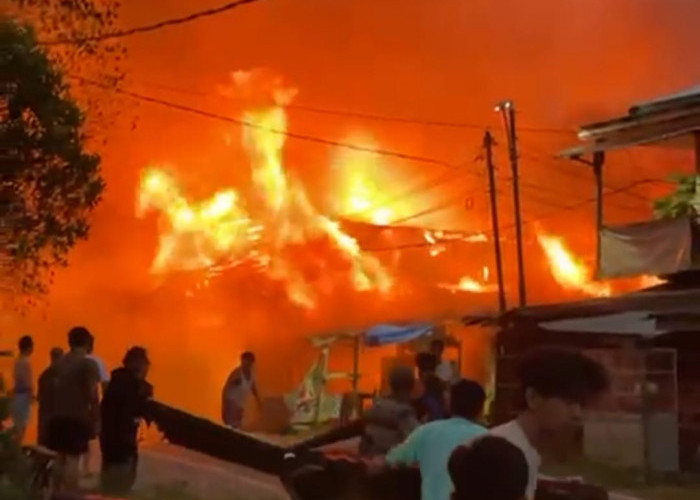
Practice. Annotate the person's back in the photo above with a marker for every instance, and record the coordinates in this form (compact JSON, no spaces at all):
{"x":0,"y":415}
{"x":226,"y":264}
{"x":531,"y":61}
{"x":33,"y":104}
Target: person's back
{"x":431,"y":445}
{"x":488,"y":468}
{"x":392,"y":418}
{"x":46,"y":395}
{"x":75,"y":376}
{"x":387,"y":423}
{"x":75,"y":409}
{"x":122,"y":405}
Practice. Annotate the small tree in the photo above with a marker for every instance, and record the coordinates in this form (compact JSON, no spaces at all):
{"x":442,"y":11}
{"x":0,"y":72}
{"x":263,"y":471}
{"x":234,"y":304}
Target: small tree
{"x":49,"y":182}
{"x":683,"y":202}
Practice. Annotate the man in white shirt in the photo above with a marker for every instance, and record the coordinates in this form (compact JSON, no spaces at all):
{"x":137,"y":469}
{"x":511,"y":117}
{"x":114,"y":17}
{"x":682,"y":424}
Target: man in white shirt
{"x":444,"y":369}
{"x":556,"y":386}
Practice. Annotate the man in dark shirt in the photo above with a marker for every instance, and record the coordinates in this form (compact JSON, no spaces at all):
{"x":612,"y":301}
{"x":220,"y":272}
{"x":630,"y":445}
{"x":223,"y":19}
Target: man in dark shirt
{"x":391,"y":418}
{"x":45,"y":395}
{"x":123,"y":405}
{"x":75,"y":408}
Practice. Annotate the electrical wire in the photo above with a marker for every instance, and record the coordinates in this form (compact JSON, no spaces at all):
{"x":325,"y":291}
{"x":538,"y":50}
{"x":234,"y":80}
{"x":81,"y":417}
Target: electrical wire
{"x":538,"y":219}
{"x":444,"y":205}
{"x":373,"y":116}
{"x":244,"y":123}
{"x":149,"y":27}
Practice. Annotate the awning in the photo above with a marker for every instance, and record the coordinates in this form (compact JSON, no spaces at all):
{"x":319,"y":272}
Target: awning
{"x":394,"y":334}
{"x":671,"y":121}
{"x":637,"y":323}
{"x":681,"y":139}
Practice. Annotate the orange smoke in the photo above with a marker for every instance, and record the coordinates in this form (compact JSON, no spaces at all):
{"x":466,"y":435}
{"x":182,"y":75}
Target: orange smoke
{"x":569,"y":271}
{"x":220,"y":231}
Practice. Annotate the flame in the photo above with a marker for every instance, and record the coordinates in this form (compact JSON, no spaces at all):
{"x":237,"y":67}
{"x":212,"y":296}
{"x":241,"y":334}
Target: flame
{"x":469,"y":284}
{"x":650,"y":281}
{"x":568,"y":270}
{"x":218,"y":232}
{"x":358,"y":186}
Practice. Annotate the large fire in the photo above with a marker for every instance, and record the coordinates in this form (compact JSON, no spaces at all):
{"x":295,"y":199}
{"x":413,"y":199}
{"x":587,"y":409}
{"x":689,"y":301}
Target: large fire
{"x":569,"y":271}
{"x":283,"y":234}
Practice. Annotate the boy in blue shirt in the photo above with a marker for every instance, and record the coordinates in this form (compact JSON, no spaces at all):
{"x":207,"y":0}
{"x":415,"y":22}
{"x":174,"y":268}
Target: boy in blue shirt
{"x":431,"y":445}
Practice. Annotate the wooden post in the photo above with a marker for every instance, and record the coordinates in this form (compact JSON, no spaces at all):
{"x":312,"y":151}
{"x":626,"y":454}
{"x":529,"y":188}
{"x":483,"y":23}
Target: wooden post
{"x":356,"y":373}
{"x":508,"y":110}
{"x":646,"y":412}
{"x":488,"y":147}
{"x":696,"y":137}
{"x":598,"y":161}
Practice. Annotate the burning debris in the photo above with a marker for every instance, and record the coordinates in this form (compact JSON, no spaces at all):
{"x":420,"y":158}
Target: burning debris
{"x":284,"y":234}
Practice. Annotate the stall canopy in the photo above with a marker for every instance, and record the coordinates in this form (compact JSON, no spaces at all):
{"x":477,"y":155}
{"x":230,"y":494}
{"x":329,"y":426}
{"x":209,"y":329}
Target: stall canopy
{"x":394,"y":334}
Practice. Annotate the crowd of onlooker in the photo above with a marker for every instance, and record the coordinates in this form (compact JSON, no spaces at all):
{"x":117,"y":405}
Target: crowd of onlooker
{"x":441,"y":430}
{"x":431,"y":418}
{"x":81,"y":404}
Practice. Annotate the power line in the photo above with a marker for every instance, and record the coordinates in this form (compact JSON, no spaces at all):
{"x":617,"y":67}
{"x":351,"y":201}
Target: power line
{"x":549,"y":215}
{"x":435,"y":208}
{"x":374,"y":116}
{"x":149,"y":27}
{"x":423,"y":187}
{"x":244,"y":123}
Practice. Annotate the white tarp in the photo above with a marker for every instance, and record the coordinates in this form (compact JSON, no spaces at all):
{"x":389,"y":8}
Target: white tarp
{"x":650,"y":248}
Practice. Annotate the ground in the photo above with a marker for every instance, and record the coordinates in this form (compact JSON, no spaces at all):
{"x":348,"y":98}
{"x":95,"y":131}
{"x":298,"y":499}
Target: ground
{"x":629,"y":484}
{"x":168,"y":472}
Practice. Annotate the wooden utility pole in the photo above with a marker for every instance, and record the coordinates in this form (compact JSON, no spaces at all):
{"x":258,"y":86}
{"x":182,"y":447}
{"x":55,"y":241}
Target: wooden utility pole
{"x":508,"y":111}
{"x":488,"y":153}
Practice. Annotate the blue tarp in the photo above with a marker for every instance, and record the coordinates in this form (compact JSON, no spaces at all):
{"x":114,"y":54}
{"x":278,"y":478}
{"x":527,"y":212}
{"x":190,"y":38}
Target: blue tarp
{"x":394,"y":334}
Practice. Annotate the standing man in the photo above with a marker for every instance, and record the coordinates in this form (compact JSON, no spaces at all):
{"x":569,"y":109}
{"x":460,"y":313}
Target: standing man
{"x":238,"y":387}
{"x":45,"y":395}
{"x":104,"y":380}
{"x":23,"y":392}
{"x":430,"y":445}
{"x":556,"y":385}
{"x":123,"y":406}
{"x":444,"y":369}
{"x":76,"y":410}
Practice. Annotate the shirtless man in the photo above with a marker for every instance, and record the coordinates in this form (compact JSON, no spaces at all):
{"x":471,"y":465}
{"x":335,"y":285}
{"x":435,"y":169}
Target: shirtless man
{"x":238,"y":387}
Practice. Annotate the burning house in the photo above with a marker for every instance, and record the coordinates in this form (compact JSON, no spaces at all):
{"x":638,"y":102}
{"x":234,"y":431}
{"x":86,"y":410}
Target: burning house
{"x":649,"y":340}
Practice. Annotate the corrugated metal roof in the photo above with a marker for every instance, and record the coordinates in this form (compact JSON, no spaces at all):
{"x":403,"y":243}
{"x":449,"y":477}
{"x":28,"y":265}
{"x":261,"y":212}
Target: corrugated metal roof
{"x":684,"y":96}
{"x":656,"y":121}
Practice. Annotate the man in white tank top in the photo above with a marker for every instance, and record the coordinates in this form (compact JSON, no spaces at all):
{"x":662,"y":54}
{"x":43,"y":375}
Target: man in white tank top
{"x":238,"y":387}
{"x":556,"y":386}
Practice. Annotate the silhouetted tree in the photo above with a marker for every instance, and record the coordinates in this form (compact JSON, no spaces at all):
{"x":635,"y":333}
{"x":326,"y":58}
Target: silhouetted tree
{"x":49,"y":182}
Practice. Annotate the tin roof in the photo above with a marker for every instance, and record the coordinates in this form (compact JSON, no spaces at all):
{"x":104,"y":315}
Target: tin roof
{"x":668,"y":121}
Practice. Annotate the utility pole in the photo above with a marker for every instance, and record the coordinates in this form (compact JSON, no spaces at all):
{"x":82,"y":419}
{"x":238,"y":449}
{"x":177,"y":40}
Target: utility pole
{"x":488,"y":153}
{"x":508,"y":112}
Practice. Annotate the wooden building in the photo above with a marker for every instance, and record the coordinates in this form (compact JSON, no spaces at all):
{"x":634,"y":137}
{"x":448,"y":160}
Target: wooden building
{"x":649,"y":340}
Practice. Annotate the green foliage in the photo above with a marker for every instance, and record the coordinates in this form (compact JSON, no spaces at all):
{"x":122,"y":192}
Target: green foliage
{"x":683,"y":202}
{"x":50,"y":183}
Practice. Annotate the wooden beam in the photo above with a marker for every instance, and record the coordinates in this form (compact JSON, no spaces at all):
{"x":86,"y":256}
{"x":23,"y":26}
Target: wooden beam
{"x":598,"y":161}
{"x":696,"y":136}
